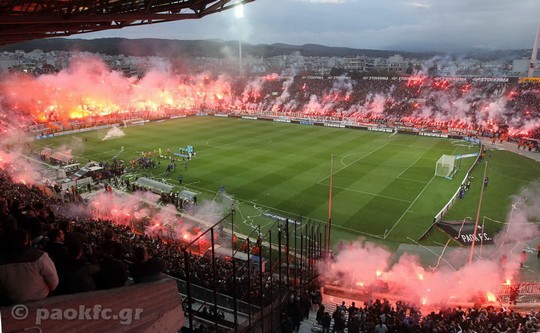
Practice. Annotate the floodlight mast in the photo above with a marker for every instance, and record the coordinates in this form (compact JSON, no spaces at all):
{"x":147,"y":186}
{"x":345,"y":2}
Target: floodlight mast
{"x":329,"y":224}
{"x":239,"y":14}
{"x":471,"y":254}
{"x":532,"y":64}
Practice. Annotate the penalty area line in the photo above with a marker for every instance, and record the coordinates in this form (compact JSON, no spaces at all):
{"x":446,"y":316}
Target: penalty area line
{"x":408,"y":208}
{"x":368,"y":193}
{"x":353,"y":162}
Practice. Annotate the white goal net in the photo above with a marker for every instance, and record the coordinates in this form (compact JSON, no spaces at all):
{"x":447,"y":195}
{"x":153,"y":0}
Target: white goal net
{"x":445,"y":166}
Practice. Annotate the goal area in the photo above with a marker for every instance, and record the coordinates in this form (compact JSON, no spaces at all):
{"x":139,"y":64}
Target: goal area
{"x":445,"y":166}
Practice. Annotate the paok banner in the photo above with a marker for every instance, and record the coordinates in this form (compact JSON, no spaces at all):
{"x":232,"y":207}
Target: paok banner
{"x":463,"y":232}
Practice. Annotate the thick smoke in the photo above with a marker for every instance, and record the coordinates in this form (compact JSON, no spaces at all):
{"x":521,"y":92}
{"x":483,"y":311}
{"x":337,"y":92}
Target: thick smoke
{"x":13,"y":146}
{"x":114,"y":132}
{"x":141,"y":210}
{"x":88,"y":88}
{"x":364,"y":264}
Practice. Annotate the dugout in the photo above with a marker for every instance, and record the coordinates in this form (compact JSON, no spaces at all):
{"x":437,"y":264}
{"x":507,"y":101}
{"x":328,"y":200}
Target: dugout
{"x":187,"y":195}
{"x":61,"y":158}
{"x":45,"y":153}
{"x":85,"y":172}
{"x":153,"y":185}
{"x":66,"y":170}
{"x":227,"y":253}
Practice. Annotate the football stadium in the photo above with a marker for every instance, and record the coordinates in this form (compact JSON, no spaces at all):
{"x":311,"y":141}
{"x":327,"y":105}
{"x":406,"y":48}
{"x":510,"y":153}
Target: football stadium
{"x":180,"y":202}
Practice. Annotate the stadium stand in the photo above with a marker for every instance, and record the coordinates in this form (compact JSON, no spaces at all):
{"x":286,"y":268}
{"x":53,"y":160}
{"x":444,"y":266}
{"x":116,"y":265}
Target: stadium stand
{"x":479,"y":106}
{"x":222,"y":294}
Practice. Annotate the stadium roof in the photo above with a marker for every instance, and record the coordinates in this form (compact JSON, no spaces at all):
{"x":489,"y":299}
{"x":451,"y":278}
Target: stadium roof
{"x":22,"y":20}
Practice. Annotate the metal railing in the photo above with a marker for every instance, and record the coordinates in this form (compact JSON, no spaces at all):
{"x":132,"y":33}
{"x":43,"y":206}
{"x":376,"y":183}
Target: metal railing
{"x":259,"y":279}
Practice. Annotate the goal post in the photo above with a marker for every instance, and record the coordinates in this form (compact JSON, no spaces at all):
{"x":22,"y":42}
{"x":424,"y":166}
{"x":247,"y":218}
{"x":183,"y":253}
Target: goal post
{"x":445,"y":166}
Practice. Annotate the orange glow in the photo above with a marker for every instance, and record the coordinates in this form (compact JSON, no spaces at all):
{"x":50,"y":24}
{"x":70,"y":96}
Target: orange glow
{"x":491,"y":297}
{"x":77,"y":114}
{"x":360,"y":284}
{"x":41,"y":117}
{"x":420,"y":276}
{"x":378,"y":273}
{"x":89,"y":89}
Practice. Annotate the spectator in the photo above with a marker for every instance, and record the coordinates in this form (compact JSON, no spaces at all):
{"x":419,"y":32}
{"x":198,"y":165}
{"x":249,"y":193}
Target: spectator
{"x":56,"y":248}
{"x":320,"y":313}
{"x":78,"y":275}
{"x":146,"y":268}
{"x":352,"y":310}
{"x":113,"y":272}
{"x":119,"y":250}
{"x":353,"y":325}
{"x":295,"y":312}
{"x":8,"y":224}
{"x":523,"y":259}
{"x":381,"y":327}
{"x":326,"y":322}
{"x":286,"y":324}
{"x":339,"y":323}
{"x":70,"y":237}
{"x":26,"y":273}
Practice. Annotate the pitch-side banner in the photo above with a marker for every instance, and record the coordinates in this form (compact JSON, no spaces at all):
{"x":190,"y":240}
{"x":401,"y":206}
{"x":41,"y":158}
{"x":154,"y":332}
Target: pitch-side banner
{"x":463,"y":232}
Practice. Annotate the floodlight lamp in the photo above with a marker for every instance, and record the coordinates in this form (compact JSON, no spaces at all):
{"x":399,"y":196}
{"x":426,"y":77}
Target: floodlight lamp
{"x":239,"y":11}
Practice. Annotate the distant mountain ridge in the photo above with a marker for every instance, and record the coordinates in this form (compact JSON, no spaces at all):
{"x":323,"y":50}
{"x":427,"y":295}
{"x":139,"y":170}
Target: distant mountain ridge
{"x":222,"y":49}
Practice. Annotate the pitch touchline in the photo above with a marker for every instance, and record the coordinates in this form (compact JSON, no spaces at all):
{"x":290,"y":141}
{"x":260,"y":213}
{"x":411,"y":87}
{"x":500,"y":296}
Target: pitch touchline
{"x":368,"y":193}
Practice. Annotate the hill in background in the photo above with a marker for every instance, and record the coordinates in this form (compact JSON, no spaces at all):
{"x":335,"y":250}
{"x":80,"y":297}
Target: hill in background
{"x":216,"y":49}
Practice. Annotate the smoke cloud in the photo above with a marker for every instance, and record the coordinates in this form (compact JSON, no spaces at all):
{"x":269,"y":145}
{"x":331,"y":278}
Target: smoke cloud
{"x":453,"y":279}
{"x":89,"y":89}
{"x":114,"y":132}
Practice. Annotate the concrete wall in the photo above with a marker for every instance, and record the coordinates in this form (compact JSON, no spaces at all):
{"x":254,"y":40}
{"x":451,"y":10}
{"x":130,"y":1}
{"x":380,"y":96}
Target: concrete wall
{"x":143,"y":308}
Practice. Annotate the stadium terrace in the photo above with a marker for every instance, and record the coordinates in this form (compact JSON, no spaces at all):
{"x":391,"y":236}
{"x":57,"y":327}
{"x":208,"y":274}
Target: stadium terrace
{"x":132,"y":231}
{"x":89,"y":94}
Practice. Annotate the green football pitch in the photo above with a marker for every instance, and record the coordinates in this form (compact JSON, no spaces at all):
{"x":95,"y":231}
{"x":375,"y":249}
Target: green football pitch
{"x":383,"y":184}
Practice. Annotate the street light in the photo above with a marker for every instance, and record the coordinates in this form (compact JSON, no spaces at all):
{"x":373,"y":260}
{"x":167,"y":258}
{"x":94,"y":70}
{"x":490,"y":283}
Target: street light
{"x":239,"y":13}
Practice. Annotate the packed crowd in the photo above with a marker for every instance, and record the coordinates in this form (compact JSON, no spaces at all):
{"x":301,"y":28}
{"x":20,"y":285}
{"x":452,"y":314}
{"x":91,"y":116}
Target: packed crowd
{"x":380,"y":316}
{"x":83,"y":253}
{"x":426,"y":102}
{"x":421,"y":102}
{"x":78,"y":254}
{"x":43,"y":253}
